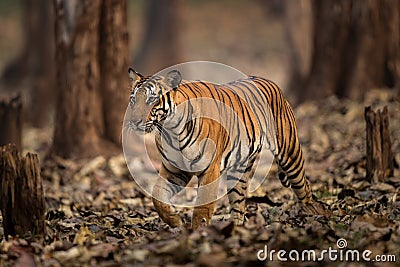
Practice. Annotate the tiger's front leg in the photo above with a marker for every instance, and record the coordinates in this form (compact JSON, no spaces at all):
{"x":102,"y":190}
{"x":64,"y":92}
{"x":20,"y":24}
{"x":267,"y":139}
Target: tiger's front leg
{"x":167,"y":186}
{"x":237,"y":200}
{"x":238,"y":181}
{"x":206,"y":196}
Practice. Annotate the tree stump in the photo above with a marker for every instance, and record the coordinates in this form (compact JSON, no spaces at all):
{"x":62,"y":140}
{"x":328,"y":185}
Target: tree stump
{"x":21,"y":193}
{"x":379,"y":147}
{"x":10,"y":121}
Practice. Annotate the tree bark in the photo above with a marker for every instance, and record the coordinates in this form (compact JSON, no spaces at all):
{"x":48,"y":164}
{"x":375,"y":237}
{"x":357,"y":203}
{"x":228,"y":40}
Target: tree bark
{"x":11,"y":122}
{"x":79,"y":122}
{"x":114,"y":57}
{"x":379,"y":149}
{"x":92,"y":53}
{"x":21,"y":193}
{"x":356,"y":47}
{"x":162,"y":45}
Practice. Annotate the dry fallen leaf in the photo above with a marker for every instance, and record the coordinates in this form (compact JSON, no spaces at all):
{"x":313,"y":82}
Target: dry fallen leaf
{"x":84,"y":235}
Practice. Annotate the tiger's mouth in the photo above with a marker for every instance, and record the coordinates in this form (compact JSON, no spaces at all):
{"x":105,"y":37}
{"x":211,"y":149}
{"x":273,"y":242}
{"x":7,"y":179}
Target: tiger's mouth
{"x":142,"y":128}
{"x":148,"y":128}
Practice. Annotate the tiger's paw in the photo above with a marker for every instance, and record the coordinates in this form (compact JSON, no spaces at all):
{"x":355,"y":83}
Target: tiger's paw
{"x":199,"y":222}
{"x":173,"y":220}
{"x":315,"y":207}
{"x":237,"y":220}
{"x":201,"y":217}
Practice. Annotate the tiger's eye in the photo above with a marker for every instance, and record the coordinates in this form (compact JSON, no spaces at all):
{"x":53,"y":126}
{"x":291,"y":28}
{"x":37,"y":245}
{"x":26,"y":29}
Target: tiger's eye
{"x":152,"y":99}
{"x":152,"y":88}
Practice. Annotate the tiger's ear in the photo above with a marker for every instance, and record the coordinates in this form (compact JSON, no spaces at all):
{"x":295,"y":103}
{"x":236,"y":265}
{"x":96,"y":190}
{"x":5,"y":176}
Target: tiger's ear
{"x":173,"y":78}
{"x":134,"y":75}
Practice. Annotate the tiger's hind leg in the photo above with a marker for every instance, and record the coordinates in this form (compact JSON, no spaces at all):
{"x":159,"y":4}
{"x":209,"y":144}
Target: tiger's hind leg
{"x":300,"y":185}
{"x":283,"y":177}
{"x":168,"y":185}
{"x":291,"y":173}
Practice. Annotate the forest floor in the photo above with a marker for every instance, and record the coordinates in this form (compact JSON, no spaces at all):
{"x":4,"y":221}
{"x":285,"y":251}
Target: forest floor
{"x":97,"y":216}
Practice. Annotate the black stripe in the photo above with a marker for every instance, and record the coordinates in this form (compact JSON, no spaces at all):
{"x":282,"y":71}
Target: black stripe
{"x":236,"y":191}
{"x":238,"y":201}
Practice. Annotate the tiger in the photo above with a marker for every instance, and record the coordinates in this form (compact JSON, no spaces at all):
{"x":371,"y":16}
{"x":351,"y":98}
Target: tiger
{"x":155,"y":99}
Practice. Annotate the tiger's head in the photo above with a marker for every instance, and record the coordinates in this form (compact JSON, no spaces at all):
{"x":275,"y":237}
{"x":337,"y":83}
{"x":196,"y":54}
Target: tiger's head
{"x":148,"y":102}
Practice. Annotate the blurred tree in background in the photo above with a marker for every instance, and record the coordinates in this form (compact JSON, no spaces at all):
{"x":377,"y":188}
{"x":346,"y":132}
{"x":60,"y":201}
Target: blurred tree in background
{"x":35,"y":64}
{"x":92,"y":60}
{"x":343,"y":47}
{"x":163,"y":42}
{"x":298,"y":25}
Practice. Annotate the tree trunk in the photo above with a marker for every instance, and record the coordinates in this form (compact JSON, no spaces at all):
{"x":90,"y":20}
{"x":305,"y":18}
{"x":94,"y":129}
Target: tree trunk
{"x":298,"y":15}
{"x":356,"y":47}
{"x":379,"y":147}
{"x":11,"y":122}
{"x":92,"y":54}
{"x":21,"y":193}
{"x":163,"y":44}
{"x":332,"y":27}
{"x":36,"y":63}
{"x":273,"y":8}
{"x":79,"y":122}
{"x":43,"y":85}
{"x":21,"y":67}
{"x":114,"y":57}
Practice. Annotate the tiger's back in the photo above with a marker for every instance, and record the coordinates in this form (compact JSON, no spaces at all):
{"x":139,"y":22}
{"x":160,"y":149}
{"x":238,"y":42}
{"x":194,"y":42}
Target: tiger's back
{"x":254,"y":100}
